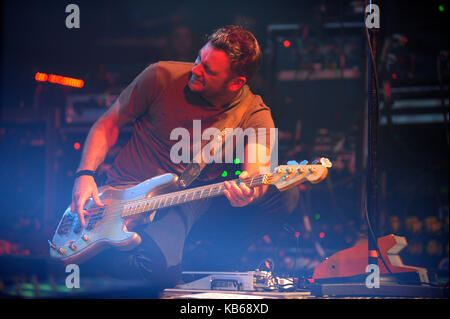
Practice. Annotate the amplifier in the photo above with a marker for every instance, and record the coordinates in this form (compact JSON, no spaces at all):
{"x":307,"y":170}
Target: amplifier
{"x":87,"y":108}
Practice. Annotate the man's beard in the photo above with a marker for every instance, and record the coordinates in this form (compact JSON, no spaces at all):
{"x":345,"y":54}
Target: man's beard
{"x":194,"y":83}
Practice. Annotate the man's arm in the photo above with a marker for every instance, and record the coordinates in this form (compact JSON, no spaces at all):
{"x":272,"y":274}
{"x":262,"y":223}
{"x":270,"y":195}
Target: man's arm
{"x":102,"y":136}
{"x":242,"y":195}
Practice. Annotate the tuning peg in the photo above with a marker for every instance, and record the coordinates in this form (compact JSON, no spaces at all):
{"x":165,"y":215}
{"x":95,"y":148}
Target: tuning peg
{"x":325,"y":162}
{"x":305,"y":162}
{"x":291,"y":163}
{"x":289,"y":170}
{"x":312,"y":170}
{"x":301,"y":170}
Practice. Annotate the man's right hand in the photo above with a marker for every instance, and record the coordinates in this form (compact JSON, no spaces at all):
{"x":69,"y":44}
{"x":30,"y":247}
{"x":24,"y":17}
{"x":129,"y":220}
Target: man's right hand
{"x":83,"y":189}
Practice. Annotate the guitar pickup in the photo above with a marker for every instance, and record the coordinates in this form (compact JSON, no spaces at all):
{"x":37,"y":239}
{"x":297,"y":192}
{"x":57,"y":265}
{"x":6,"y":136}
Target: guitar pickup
{"x":65,"y":225}
{"x":94,"y":218}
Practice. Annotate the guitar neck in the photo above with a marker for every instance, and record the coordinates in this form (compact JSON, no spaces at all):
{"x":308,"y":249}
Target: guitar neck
{"x":133,"y":208}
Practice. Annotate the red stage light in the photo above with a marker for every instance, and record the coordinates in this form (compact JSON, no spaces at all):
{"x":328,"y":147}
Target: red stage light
{"x":297,"y":234}
{"x":322,"y":235}
{"x":58,"y":79}
{"x":387,"y":90}
{"x":267,"y":239}
{"x":76,"y":146}
{"x":287,"y":43}
{"x":41,"y":77}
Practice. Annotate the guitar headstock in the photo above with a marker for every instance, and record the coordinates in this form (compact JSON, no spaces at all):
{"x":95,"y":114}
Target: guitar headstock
{"x":292,"y":174}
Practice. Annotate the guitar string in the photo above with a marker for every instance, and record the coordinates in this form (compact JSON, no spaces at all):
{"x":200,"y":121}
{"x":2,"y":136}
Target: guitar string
{"x":111,"y":217}
{"x":220,"y":187}
{"x":108,"y":219}
{"x":163,"y":198}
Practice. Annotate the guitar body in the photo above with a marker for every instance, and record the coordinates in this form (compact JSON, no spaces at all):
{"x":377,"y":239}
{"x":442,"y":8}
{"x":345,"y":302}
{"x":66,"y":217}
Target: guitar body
{"x":105,"y":226}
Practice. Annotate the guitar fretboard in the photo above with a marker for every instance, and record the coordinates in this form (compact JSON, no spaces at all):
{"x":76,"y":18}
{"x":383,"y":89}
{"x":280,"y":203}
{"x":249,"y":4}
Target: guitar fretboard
{"x":188,"y":195}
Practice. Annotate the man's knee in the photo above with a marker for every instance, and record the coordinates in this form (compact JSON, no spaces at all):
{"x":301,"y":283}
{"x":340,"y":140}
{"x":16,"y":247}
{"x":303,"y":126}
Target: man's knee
{"x":154,"y":271}
{"x":281,"y":203}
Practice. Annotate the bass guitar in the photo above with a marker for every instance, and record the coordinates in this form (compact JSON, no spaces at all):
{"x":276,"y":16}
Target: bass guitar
{"x":111,"y":225}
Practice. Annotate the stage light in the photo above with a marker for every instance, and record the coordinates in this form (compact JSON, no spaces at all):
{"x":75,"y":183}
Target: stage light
{"x":287,"y":43}
{"x":224,"y":174}
{"x":237,"y":160}
{"x":58,"y":79}
{"x":41,"y":77}
{"x":297,"y":234}
{"x":65,"y":81}
{"x":322,"y":235}
{"x":394,"y":76}
{"x":237,"y":173}
{"x":441,"y":8}
{"x":76,"y":146}
{"x":317,"y":216}
{"x":267,"y":239}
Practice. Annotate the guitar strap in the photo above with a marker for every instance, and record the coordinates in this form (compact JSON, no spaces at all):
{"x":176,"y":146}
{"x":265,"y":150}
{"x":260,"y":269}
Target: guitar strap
{"x":193,"y":169}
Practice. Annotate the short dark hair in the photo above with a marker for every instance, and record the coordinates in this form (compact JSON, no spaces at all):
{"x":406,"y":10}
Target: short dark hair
{"x":241,"y":47}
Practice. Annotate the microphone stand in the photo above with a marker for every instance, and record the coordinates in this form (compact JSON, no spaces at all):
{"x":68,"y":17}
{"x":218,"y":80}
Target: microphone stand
{"x":373,"y":122}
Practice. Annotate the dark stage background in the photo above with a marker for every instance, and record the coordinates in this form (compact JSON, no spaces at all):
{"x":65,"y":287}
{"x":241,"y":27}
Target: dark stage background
{"x":313,"y":78}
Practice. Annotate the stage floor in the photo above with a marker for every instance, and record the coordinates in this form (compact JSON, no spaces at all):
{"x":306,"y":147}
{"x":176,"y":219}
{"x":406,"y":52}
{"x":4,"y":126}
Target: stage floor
{"x":226,"y":294}
{"x":346,"y":291}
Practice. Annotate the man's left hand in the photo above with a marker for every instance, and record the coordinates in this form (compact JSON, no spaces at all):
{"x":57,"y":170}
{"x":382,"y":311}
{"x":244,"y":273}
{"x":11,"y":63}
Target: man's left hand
{"x":239,"y":195}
